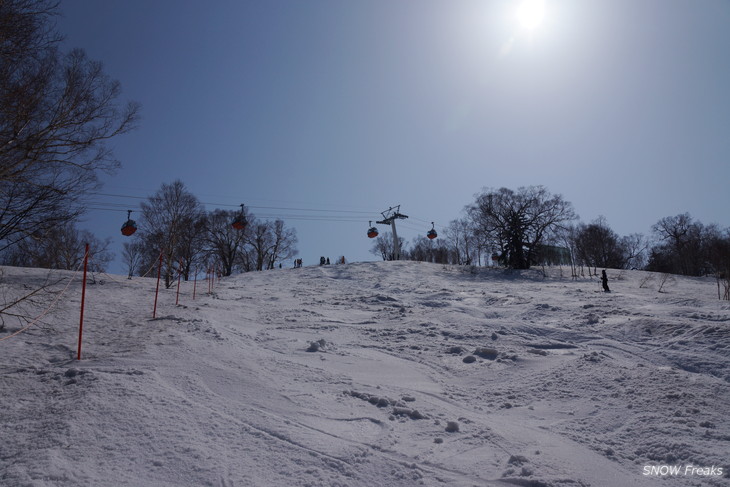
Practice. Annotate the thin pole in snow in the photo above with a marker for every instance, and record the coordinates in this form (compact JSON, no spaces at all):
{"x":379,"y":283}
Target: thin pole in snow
{"x":195,"y":282}
{"x":157,"y":291}
{"x":83,"y":299}
{"x":179,"y":273}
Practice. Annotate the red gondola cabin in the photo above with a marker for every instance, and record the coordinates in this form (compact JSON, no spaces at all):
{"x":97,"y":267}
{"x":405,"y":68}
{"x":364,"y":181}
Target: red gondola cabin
{"x":372,"y":231}
{"x":130,"y":226}
{"x":432,"y":233}
{"x":240,"y":222}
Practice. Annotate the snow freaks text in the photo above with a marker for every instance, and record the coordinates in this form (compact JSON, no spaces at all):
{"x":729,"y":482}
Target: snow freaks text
{"x":681,"y":470}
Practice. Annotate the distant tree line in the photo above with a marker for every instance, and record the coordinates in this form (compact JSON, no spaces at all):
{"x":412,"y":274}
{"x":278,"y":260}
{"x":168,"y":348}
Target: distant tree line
{"x":530,"y":226}
{"x":176,"y":231}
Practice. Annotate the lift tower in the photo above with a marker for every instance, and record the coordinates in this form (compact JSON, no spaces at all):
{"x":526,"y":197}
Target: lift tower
{"x":389,"y":217}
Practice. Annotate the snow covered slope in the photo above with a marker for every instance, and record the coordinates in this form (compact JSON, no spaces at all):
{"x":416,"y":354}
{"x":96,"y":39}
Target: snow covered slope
{"x":390,"y":374}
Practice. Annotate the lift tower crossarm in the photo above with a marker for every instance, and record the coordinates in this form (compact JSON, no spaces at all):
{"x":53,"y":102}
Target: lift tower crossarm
{"x":389,"y":217}
{"x":391,"y":214}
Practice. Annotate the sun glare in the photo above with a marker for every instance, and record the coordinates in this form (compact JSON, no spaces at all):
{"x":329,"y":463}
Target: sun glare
{"x":530,"y":14}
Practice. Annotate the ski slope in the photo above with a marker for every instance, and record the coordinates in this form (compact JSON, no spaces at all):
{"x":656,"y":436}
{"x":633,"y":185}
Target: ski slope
{"x":359,"y":375}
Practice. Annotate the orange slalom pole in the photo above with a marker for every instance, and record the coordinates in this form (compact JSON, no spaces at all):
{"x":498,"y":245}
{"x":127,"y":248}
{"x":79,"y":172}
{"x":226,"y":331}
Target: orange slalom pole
{"x":179,"y":273}
{"x":195,"y":282}
{"x":157,"y":291}
{"x":83,"y":299}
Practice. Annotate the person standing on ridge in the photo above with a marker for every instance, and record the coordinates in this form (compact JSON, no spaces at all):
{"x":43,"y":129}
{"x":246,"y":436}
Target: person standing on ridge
{"x":604,"y":280}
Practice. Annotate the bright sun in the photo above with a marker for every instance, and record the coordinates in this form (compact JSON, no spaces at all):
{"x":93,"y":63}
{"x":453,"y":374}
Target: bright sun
{"x":530,"y":14}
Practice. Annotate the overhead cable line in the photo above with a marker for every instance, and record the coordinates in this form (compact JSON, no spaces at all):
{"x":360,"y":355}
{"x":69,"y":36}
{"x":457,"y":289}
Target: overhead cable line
{"x":361,"y":212}
{"x":324,"y":218}
{"x":327,"y":214}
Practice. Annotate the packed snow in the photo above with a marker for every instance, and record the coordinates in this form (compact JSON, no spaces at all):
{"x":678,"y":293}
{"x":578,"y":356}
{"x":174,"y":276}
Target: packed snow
{"x":379,"y":373}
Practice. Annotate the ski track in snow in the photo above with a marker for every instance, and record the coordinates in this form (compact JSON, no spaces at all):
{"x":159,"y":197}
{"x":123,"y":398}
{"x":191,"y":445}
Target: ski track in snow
{"x":351,"y":375}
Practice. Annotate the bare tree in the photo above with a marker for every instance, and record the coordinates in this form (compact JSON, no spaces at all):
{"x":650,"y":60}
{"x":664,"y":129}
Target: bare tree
{"x":284,"y":243}
{"x":718,"y":247}
{"x":62,"y":248}
{"x":171,"y":225}
{"x":383,"y":246}
{"x":681,"y":246}
{"x":23,"y":309}
{"x":30,"y":211}
{"x":57,"y":113}
{"x":422,"y":250}
{"x":463,"y":241}
{"x":520,"y":221}
{"x":634,"y":247}
{"x":599,"y":246}
{"x":224,"y":241}
{"x":246,"y":259}
{"x":191,"y":246}
{"x":566,"y":236}
{"x":260,"y":240}
{"x":269,"y":242}
{"x":132,"y":255}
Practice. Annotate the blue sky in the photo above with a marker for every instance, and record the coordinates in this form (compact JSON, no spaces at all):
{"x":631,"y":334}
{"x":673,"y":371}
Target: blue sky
{"x":620,"y":106}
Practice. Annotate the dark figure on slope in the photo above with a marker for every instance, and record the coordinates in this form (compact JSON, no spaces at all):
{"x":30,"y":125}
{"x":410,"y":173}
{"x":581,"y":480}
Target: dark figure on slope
{"x":604,"y":280}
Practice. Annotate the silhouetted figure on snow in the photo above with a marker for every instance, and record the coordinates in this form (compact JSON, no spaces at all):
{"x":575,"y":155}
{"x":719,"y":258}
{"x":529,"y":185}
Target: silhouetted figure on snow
{"x":604,"y":280}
